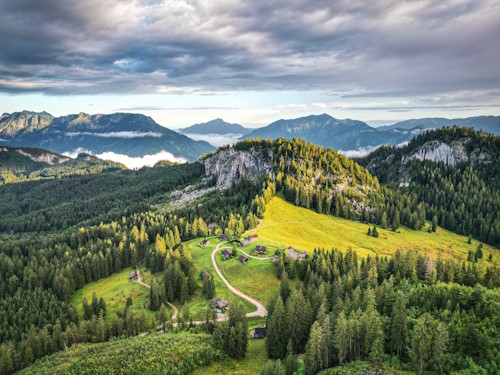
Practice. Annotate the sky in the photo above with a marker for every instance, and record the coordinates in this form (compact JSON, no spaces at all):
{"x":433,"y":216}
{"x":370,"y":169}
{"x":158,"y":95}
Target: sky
{"x":251,"y":62}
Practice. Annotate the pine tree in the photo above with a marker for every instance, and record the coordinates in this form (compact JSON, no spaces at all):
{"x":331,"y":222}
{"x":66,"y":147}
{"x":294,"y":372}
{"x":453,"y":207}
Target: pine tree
{"x":87,"y":309}
{"x":399,"y":323}
{"x":298,"y":319}
{"x":314,"y":352}
{"x":327,"y":343}
{"x":284,"y":287}
{"x":383,"y":220}
{"x":154,"y":296}
{"x":102,"y":306}
{"x":341,"y":337}
{"x":95,"y":304}
{"x":421,"y":341}
{"x":277,"y":331}
{"x":479,"y":251}
{"x":440,"y":343}
{"x":434,"y":223}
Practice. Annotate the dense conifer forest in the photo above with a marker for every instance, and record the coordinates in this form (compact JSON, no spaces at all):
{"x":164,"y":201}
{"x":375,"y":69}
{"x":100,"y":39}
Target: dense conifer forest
{"x":409,"y":311}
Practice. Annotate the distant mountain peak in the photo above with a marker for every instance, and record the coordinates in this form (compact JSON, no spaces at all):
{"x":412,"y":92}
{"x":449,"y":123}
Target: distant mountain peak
{"x":215,"y":126}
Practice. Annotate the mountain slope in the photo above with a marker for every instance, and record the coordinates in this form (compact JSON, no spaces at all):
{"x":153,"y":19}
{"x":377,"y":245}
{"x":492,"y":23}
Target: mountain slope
{"x":28,"y":164}
{"x":217,"y":126}
{"x":454,"y":171}
{"x":490,"y":124}
{"x":23,"y":122}
{"x":134,"y":135}
{"x":326,"y":131}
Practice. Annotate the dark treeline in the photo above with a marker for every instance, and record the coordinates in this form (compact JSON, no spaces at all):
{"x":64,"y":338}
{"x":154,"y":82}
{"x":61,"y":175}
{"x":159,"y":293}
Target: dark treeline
{"x":407,"y":311}
{"x":58,"y":204}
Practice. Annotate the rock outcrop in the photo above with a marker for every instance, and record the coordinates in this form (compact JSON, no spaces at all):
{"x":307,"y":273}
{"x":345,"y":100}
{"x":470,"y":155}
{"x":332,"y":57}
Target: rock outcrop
{"x":229,"y":165}
{"x":47,"y":157}
{"x":437,"y":151}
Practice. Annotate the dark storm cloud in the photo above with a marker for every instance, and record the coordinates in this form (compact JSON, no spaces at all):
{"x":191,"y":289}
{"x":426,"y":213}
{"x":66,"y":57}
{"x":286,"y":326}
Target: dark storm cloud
{"x":356,"y":48}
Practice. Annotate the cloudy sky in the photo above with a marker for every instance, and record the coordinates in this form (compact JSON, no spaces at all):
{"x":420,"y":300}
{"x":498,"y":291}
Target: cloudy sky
{"x":251,"y":62}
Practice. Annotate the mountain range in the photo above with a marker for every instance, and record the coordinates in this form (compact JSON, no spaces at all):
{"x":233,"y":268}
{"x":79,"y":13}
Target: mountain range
{"x":134,"y":135}
{"x":347,"y":134}
{"x":490,"y":124}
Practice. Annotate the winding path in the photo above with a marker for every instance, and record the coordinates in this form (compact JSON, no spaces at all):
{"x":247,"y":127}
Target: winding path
{"x":261,"y":310}
{"x":176,"y":312}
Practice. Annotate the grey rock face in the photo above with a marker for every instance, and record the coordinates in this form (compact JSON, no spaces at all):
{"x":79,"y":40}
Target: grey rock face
{"x":440,"y":152}
{"x":230,"y":165}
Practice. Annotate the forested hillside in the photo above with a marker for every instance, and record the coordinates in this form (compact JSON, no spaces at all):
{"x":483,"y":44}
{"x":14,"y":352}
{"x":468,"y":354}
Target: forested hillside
{"x":32,"y":164}
{"x":459,"y":186}
{"x":57,"y":204}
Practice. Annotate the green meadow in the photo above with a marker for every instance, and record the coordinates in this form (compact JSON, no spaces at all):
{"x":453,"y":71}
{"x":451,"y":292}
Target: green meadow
{"x":115,"y":290}
{"x":287,"y":225}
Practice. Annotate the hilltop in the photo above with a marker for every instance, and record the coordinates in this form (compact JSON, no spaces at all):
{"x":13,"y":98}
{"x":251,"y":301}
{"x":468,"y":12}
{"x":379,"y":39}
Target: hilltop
{"x":217,"y":126}
{"x":28,"y":164}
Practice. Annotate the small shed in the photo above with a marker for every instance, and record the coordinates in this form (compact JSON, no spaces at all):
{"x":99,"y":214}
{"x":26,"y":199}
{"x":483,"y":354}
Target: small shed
{"x":295,"y":255}
{"x":226,"y":254}
{"x":259,"y":333}
{"x":243,"y":259}
{"x":224,"y":237}
{"x":205,"y":242}
{"x":260,"y":249}
{"x":245,"y":242}
{"x":203,"y":274}
{"x":253,"y":237}
{"x":133,"y":275}
{"x":220,"y":303}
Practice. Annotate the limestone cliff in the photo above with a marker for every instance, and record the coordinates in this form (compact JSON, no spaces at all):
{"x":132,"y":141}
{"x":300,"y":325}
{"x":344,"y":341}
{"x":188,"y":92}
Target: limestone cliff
{"x":438,"y":151}
{"x":229,"y":165}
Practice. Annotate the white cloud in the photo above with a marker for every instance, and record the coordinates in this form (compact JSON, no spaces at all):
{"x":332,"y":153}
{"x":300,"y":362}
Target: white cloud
{"x":216,"y":140}
{"x":124,"y":134}
{"x":73,"y":154}
{"x":362,"y":151}
{"x":141,"y":161}
{"x":130,"y":161}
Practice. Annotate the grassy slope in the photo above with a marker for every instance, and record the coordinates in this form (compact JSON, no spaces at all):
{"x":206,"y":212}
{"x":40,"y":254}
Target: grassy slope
{"x":115,"y":290}
{"x":257,"y":278}
{"x":310,"y":229}
{"x":198,"y":303}
{"x":153,"y":354}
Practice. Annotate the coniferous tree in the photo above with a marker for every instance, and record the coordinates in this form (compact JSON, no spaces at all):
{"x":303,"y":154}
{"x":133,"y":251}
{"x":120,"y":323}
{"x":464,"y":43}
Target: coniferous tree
{"x":284,"y":287}
{"x":440,"y":344}
{"x":314,"y":352}
{"x":277,"y":334}
{"x":341,"y":337}
{"x":421,"y":341}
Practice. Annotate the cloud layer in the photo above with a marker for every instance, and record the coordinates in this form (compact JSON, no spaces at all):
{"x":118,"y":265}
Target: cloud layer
{"x":128,"y":161}
{"x":216,"y":140}
{"x":124,"y":134}
{"x":355,"y":48}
